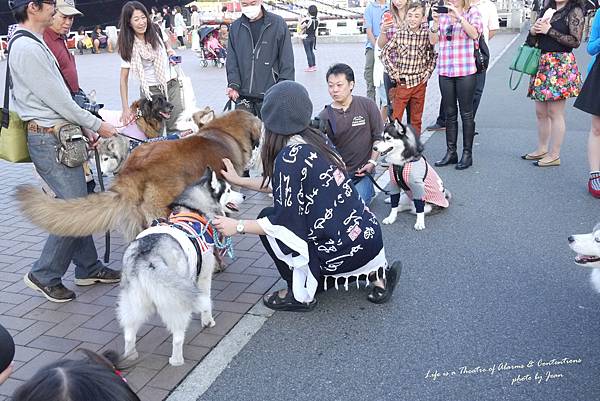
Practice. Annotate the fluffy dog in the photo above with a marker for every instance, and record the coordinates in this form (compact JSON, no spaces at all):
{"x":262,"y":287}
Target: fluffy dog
{"x":168,"y":268}
{"x":422,"y":189}
{"x":587,"y":248}
{"x":149,"y":121}
{"x":114,"y":151}
{"x":152,"y":177}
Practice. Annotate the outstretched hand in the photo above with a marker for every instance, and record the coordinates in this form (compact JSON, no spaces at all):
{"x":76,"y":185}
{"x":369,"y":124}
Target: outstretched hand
{"x":225,"y":225}
{"x":229,"y":173}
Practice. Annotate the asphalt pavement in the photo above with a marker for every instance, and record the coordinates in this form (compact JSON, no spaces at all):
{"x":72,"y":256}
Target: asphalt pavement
{"x":489,"y":306}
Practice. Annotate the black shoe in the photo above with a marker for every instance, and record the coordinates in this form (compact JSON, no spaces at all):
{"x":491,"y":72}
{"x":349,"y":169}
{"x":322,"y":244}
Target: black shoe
{"x":55,"y":293}
{"x":380,"y":295}
{"x":436,"y":127}
{"x":104,"y":275}
{"x":466,"y":161}
{"x":450,"y":158}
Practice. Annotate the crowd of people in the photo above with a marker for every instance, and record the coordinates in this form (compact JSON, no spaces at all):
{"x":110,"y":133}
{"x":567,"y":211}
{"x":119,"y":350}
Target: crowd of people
{"x":326,"y":169}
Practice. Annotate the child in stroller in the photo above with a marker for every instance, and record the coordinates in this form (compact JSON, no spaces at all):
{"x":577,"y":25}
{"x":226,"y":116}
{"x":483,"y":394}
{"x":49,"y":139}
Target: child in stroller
{"x":210,"y":47}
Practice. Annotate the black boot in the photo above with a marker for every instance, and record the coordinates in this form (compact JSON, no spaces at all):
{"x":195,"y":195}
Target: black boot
{"x":451,"y":157}
{"x":468,"y":133}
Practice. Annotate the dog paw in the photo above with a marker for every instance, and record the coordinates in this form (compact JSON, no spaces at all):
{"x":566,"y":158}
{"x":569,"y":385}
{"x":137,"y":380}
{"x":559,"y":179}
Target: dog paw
{"x":176,"y":361}
{"x":389,"y":220}
{"x":419,"y":226}
{"x":209,"y":322}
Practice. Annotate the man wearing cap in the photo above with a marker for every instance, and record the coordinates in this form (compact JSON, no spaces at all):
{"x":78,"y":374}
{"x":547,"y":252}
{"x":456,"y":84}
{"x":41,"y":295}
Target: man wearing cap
{"x":55,"y":36}
{"x":43,"y":100}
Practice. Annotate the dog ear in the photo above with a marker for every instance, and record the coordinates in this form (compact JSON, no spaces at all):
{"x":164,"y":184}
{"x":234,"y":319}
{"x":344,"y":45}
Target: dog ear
{"x":400,"y":128}
{"x":135,"y":106}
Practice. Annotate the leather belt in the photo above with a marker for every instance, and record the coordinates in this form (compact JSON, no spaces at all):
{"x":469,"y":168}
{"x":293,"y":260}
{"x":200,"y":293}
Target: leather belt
{"x":33,"y":127}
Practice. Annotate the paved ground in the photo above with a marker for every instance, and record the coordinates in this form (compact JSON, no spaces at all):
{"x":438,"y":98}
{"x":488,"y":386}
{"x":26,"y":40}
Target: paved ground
{"x":488,"y":297}
{"x":480,"y":297}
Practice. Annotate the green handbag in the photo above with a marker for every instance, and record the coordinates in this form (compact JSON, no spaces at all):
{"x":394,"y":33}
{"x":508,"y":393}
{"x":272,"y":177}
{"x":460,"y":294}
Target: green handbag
{"x":526,"y":61}
{"x":13,"y":130}
{"x":13,"y":140}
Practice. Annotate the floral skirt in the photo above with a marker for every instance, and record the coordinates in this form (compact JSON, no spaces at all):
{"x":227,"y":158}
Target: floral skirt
{"x":557,"y":78}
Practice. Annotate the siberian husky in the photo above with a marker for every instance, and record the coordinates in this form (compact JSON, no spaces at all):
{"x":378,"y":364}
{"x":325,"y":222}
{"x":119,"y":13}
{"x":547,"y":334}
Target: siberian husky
{"x":587,"y":247}
{"x":169,"y":266}
{"x":114,"y":151}
{"x":149,"y":181}
{"x":415,"y":185}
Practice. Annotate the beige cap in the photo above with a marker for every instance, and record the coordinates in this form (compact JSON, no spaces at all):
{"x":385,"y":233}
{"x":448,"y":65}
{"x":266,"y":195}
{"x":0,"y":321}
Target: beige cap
{"x":67,"y":7}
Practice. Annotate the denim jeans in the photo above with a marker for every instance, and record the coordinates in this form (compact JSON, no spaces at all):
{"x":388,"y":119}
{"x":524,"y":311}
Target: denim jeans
{"x":365,"y":189}
{"x":369,"y":63}
{"x":309,"y":44}
{"x":67,"y":183}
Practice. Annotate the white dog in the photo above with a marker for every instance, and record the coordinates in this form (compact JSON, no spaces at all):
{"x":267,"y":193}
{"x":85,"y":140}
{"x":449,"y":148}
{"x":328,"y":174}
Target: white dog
{"x":415,"y":185}
{"x":587,"y":247}
{"x":168,"y":268}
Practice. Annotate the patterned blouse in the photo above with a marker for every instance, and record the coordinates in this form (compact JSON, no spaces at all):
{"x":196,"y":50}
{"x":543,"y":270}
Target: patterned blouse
{"x":320,"y":227}
{"x":456,"y":48}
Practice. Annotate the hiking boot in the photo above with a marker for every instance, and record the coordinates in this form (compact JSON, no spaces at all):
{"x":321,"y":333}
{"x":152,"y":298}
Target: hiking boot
{"x":436,"y":127}
{"x":104,"y":275}
{"x":54,"y":293}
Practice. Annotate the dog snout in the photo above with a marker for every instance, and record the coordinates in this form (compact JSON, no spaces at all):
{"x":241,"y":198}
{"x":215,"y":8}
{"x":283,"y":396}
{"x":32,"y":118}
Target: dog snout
{"x":571,"y":239}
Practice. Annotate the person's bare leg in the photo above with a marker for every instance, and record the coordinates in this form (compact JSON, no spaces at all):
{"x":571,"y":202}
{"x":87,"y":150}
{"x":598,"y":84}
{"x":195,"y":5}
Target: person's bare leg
{"x":543,"y":126}
{"x":556,"y":115}
{"x":593,"y":150}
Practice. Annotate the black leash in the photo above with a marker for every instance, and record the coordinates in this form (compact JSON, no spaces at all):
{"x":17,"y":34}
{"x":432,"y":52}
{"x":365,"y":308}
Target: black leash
{"x":374,"y":182}
{"x":132,"y":138}
{"x":228,"y":105}
{"x":101,"y":181}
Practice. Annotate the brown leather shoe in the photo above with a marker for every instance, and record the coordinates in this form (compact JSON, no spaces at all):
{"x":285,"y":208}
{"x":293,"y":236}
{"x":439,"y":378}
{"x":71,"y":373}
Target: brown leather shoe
{"x":55,"y":293}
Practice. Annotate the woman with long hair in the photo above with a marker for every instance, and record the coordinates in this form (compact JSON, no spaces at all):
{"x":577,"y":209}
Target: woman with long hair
{"x":556,"y":32}
{"x":318,"y":232}
{"x":146,"y":53}
{"x":457,"y":29}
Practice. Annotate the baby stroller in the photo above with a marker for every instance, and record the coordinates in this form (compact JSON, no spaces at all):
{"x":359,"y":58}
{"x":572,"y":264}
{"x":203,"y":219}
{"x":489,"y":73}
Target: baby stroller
{"x":208,"y":54}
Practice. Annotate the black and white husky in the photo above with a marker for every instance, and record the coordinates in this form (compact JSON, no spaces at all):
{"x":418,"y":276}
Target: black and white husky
{"x":587,"y":248}
{"x":414,"y":184}
{"x":168,"y":268}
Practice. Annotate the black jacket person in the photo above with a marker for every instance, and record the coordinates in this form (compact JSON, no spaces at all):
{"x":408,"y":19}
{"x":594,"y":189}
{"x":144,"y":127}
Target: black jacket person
{"x":259,"y":55}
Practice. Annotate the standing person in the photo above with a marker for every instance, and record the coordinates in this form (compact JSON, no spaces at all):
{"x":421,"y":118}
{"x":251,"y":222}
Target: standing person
{"x":535,"y":9}
{"x":148,"y":55}
{"x":309,"y":26}
{"x":195,"y":22}
{"x":588,"y":102}
{"x":54,"y":37}
{"x":179,"y":26}
{"x":314,"y":202}
{"x":389,"y":27}
{"x":354,"y":125}
{"x":45,"y":104}
{"x":167,"y":20}
{"x":373,"y":13}
{"x":410,"y":60}
{"x":456,"y":33}
{"x":557,"y":78}
{"x":259,"y":54}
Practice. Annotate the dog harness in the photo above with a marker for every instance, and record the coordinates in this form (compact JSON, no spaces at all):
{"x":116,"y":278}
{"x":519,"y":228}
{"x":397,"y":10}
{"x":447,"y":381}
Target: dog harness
{"x":191,"y":230}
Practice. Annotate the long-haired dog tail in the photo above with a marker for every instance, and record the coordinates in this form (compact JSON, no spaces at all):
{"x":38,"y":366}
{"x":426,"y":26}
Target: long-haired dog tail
{"x":77,"y":217}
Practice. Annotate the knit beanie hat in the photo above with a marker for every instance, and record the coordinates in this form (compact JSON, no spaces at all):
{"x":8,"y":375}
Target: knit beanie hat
{"x":287,"y":108}
{"x":7,"y":349}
